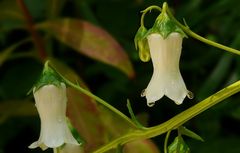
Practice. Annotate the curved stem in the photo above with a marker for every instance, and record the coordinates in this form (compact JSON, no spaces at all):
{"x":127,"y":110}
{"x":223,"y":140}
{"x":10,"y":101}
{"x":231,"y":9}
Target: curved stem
{"x":174,"y":122}
{"x":200,"y":38}
{"x":146,"y":10}
{"x":179,"y":137}
{"x":166,"y":141}
{"x":101,"y":101}
{"x":133,"y":117}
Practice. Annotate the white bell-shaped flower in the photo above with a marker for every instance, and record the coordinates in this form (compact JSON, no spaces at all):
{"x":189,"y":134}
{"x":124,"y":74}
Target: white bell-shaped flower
{"x":166,"y":78}
{"x":51,"y":101}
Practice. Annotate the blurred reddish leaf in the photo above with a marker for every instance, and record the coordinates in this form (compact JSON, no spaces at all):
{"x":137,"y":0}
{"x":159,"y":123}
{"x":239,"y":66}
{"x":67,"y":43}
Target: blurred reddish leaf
{"x":86,"y":118}
{"x":91,"y":41}
{"x":16,"y":108}
{"x":140,"y":146}
{"x":117,"y":127}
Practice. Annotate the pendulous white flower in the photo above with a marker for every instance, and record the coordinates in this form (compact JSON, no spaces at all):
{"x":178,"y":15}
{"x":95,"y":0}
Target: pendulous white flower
{"x":166,"y":79}
{"x":51,"y":101}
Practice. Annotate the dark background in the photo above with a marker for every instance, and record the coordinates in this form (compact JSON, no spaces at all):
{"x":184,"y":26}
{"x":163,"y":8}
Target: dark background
{"x":204,"y":68}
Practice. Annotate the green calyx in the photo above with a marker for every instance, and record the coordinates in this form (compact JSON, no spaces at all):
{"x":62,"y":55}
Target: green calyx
{"x":164,"y":25}
{"x":141,"y":44}
{"x":178,"y":146}
{"x":48,"y":76}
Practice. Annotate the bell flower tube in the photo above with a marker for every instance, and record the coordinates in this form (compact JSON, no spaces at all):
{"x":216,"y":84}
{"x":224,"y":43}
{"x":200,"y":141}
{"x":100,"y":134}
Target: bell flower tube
{"x":166,"y":78}
{"x":51,"y":102}
{"x":51,"y":105}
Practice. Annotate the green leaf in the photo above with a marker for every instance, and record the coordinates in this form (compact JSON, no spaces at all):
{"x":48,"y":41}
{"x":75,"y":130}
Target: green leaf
{"x":5,"y":54}
{"x":184,"y":131}
{"x":10,"y":15}
{"x":91,"y":41}
{"x":178,"y":146}
{"x":14,"y":12}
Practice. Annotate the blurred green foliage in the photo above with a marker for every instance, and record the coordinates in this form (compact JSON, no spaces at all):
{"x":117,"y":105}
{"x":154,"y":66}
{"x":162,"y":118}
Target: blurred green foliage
{"x":205,"y":69}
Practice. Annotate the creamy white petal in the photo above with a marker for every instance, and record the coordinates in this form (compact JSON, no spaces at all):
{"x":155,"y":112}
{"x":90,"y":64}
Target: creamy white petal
{"x":51,"y":105}
{"x":166,"y":78}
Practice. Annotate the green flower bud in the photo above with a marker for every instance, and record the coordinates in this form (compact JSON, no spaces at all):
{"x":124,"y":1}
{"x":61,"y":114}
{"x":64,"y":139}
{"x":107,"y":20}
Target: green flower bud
{"x":139,"y":36}
{"x":141,"y":44}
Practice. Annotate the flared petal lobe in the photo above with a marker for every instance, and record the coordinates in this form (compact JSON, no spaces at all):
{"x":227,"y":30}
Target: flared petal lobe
{"x":166,"y":78}
{"x":51,"y":104}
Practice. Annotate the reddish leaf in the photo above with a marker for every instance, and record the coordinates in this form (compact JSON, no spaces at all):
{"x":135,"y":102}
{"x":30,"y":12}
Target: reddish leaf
{"x":140,"y":146}
{"x":114,"y":124}
{"x":16,"y":108}
{"x":91,"y":41}
{"x":85,"y":117}
{"x":116,"y":127}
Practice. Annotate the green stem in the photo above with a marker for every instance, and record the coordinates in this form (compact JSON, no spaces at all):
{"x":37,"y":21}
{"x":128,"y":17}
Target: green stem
{"x":179,"y":138}
{"x":166,"y":142}
{"x":174,"y":122}
{"x":200,"y":38}
{"x":101,"y":101}
{"x":146,"y":10}
{"x":133,"y":117}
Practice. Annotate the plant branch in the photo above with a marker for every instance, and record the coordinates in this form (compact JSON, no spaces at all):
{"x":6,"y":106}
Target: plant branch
{"x":200,"y":38}
{"x":146,"y":10}
{"x":166,"y":142}
{"x":30,"y":25}
{"x":174,"y":122}
{"x":99,"y":100}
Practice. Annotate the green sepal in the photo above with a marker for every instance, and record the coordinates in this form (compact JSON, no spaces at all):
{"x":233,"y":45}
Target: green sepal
{"x":133,"y":117}
{"x":164,"y":25}
{"x":74,"y":132}
{"x":144,"y":51}
{"x":184,"y":131}
{"x":48,"y":76}
{"x":141,"y":44}
{"x":178,"y":146}
{"x":139,"y":35}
